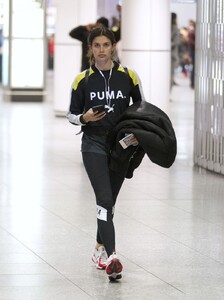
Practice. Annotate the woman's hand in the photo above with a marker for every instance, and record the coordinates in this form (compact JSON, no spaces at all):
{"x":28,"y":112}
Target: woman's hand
{"x":134,"y":141}
{"x":91,"y":116}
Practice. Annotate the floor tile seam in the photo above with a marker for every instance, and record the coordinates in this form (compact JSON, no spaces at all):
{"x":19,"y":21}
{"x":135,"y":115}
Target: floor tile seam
{"x":7,"y":185}
{"x":172,"y":239}
{"x":46,"y":262}
{"x":174,"y":184}
{"x":55,"y":215}
{"x":193,"y":214}
{"x":58,"y":181}
{"x":154,"y":275}
{"x":183,"y":210}
{"x":64,"y":220}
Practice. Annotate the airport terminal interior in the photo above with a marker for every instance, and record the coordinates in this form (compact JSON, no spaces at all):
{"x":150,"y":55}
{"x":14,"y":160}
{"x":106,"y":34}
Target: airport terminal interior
{"x":169,"y":222}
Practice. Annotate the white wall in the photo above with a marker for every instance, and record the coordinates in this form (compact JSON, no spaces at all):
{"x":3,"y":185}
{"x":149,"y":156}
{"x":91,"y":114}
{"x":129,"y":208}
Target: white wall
{"x":70,"y":13}
{"x":185,"y":11}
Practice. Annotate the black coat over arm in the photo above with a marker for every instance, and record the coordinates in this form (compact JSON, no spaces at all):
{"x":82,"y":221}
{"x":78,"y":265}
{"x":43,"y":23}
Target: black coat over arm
{"x":154,"y":132}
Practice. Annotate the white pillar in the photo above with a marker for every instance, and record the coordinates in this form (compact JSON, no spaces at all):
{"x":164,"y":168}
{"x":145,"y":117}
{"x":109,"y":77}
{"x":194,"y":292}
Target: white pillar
{"x":146,"y":46}
{"x":67,"y":61}
{"x":209,"y":86}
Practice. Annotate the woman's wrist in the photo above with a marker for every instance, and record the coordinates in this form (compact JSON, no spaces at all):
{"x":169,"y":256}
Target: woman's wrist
{"x":82,"y":119}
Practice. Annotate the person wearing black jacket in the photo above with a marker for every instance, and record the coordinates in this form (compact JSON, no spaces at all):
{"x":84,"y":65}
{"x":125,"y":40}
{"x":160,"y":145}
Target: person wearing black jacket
{"x":114,"y":88}
{"x":81,"y":33}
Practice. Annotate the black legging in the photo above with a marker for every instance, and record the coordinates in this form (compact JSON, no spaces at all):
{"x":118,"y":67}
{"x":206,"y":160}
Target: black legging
{"x":106,"y":185}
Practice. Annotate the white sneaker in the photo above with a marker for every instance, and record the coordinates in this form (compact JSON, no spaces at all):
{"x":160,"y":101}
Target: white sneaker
{"x":114,"y":267}
{"x":100,"y":257}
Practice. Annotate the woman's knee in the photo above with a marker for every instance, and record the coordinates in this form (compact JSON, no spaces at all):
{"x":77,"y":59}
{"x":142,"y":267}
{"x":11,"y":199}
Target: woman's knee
{"x":104,"y":214}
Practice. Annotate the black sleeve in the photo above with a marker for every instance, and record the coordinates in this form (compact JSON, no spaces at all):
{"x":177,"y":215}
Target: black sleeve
{"x":78,"y":33}
{"x":136,"y":94}
{"x":78,"y":99}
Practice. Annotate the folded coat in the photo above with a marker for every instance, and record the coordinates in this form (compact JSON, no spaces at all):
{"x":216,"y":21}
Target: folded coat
{"x":154,"y":132}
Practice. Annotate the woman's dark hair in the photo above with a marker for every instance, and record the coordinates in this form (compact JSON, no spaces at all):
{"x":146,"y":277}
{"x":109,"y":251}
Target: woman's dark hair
{"x":99,"y":31}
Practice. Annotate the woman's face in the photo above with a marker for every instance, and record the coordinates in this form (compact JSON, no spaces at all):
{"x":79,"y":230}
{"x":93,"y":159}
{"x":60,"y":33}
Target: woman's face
{"x":102,"y":49}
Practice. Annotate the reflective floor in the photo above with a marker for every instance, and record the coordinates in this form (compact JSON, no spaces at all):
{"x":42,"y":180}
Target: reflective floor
{"x":169,"y":222}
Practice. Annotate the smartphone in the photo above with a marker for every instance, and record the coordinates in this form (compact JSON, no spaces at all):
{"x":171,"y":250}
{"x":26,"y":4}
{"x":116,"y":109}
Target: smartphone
{"x":98,"y":108}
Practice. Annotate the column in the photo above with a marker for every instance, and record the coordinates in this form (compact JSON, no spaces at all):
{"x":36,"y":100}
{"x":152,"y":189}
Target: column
{"x":23,"y":50}
{"x":70,"y":13}
{"x":209,"y":86}
{"x":146,"y":46}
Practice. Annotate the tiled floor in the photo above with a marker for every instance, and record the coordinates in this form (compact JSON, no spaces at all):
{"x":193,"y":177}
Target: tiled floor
{"x":169,"y":222}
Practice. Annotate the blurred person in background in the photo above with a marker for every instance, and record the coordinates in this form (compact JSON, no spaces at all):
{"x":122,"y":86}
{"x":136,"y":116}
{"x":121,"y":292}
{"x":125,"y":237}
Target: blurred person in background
{"x":81,"y":33}
{"x":183,"y":50}
{"x":51,"y":52}
{"x":175,"y":41}
{"x":191,"y":45}
{"x":1,"y":42}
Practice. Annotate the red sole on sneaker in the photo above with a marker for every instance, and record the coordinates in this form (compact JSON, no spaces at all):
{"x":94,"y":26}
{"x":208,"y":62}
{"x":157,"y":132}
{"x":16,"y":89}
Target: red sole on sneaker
{"x":99,"y":266}
{"x":115,"y":267}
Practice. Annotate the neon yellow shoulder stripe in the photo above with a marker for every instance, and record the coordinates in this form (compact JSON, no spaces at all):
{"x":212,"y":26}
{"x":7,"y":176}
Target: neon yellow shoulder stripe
{"x":80,"y":77}
{"x":130,"y":73}
{"x":133,"y":76}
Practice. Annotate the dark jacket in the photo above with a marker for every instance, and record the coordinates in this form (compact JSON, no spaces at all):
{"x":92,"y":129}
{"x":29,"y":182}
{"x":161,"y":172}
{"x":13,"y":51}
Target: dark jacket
{"x":122,"y":88}
{"x":154,"y":132}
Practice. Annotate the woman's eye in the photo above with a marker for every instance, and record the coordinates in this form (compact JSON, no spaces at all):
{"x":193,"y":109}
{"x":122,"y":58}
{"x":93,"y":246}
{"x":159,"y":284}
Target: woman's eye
{"x":98,"y":46}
